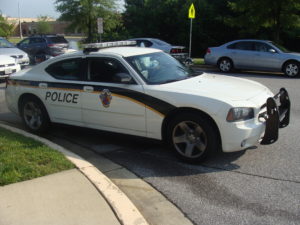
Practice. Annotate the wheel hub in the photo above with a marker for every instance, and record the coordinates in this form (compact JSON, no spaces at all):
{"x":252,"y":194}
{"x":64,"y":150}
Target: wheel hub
{"x":189,"y":139}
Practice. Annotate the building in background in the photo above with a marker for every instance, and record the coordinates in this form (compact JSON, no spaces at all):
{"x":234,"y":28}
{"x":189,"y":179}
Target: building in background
{"x":29,"y":26}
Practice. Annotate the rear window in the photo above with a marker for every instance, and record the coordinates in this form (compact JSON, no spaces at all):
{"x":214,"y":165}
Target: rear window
{"x":57,"y":39}
{"x":243,"y":45}
{"x":69,"y":69}
{"x":160,"y":42}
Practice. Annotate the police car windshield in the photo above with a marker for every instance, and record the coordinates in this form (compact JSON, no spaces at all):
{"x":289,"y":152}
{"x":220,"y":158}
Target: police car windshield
{"x":159,"y":68}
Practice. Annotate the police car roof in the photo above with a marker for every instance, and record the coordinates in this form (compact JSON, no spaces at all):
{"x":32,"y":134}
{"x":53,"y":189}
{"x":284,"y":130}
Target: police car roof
{"x":126,"y":51}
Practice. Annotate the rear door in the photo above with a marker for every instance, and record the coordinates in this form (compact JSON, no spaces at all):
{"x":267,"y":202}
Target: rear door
{"x":37,"y":46}
{"x":63,"y":98}
{"x":242,"y":54}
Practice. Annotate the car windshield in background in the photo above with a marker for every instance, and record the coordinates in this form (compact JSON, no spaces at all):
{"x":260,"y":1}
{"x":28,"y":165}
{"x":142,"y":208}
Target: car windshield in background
{"x":281,"y":48}
{"x":159,"y":68}
{"x":5,"y":44}
{"x":58,"y":39}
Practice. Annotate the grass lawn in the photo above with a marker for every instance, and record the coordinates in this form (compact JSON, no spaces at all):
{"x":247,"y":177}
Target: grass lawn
{"x":198,"y":61}
{"x":14,"y":40}
{"x":23,"y":158}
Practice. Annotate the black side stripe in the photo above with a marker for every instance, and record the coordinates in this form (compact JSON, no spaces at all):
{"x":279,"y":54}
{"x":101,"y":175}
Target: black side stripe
{"x":152,"y":102}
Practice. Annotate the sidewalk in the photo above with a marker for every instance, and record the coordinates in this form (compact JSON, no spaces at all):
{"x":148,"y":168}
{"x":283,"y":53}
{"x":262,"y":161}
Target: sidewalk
{"x":82,"y":196}
{"x":60,"y":199}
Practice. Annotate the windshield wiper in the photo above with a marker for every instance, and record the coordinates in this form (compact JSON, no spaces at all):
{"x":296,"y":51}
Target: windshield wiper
{"x":172,"y":80}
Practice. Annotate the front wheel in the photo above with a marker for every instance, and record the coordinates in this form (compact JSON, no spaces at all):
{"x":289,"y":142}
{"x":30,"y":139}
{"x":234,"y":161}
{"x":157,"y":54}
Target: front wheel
{"x":225,"y":65}
{"x":292,"y":69}
{"x":34,"y":115}
{"x":192,"y":137}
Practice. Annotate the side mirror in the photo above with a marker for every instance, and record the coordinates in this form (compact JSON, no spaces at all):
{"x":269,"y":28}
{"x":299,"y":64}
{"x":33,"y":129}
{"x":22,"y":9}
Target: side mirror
{"x":272,"y":50}
{"x":123,"y":78}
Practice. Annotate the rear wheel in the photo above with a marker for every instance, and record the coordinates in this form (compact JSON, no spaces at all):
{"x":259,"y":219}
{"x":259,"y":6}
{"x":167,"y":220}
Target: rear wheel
{"x":291,"y":69}
{"x":225,"y":65}
{"x":34,"y":115}
{"x":191,"y":137}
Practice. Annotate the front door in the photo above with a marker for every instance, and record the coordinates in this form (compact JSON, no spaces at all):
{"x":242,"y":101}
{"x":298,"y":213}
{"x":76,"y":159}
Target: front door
{"x":108,"y":104}
{"x":264,"y":58}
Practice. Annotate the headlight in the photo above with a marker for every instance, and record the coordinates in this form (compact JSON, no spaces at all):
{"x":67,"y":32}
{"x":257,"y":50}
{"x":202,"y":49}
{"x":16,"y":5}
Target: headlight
{"x":240,"y":114}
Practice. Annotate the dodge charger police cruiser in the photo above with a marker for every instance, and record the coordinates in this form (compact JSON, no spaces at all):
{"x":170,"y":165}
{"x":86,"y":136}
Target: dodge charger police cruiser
{"x":145,"y":92}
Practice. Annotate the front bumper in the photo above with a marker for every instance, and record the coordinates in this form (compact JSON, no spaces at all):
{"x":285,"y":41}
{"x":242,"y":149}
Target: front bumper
{"x":277,"y":115}
{"x":264,"y":128}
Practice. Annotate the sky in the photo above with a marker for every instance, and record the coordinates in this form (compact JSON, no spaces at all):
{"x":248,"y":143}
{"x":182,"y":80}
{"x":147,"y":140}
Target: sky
{"x":29,"y":8}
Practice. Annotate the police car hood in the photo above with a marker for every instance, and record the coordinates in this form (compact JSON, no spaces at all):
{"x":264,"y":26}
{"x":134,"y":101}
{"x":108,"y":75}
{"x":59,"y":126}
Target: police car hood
{"x":219,"y":87}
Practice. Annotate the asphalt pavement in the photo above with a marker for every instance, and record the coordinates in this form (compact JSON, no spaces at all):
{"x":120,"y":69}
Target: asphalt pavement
{"x":257,"y":186}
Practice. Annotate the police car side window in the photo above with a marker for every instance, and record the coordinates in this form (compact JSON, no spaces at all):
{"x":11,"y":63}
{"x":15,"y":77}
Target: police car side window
{"x":69,"y":69}
{"x":105,"y":70}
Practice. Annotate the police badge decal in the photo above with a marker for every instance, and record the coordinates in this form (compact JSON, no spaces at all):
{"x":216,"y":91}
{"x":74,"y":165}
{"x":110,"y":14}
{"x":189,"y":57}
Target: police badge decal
{"x":105,"y":97}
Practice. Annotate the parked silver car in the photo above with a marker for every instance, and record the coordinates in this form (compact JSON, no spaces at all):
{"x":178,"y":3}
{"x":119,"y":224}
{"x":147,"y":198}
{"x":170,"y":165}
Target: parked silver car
{"x":253,"y":54}
{"x":8,"y":49}
{"x":178,"y":52}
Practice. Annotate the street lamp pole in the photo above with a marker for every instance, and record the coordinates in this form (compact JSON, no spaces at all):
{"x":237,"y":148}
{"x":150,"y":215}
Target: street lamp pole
{"x":20,"y":27}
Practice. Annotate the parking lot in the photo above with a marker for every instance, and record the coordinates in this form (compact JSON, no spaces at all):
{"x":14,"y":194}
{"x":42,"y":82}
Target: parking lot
{"x":257,"y":186}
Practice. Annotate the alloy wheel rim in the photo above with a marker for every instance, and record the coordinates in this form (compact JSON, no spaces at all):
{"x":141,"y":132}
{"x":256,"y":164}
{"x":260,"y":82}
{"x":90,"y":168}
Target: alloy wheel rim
{"x":32,"y":115}
{"x":189,"y":139}
{"x":225,"y":65}
{"x":292,"y":70}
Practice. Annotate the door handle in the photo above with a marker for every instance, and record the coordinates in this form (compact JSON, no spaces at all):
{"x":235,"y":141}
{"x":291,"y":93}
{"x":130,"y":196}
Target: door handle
{"x":43,"y":85}
{"x":88,"y":88}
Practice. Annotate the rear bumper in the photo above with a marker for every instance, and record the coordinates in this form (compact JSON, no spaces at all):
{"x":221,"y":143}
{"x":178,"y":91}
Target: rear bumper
{"x":277,"y":116}
{"x":180,"y":56}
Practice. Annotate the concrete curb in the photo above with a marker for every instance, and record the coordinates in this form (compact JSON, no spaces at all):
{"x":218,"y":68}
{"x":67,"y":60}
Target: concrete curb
{"x":125,"y":210}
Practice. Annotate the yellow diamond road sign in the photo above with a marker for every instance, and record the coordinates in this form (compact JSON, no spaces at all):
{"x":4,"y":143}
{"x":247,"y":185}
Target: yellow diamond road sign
{"x":192,"y":11}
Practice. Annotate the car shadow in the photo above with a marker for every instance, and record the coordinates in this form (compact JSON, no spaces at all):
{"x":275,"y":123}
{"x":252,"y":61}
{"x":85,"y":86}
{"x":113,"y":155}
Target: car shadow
{"x":144,"y":157}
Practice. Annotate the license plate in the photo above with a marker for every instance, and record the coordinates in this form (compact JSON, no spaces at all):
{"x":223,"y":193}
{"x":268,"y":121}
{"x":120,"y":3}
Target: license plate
{"x":8,"y":71}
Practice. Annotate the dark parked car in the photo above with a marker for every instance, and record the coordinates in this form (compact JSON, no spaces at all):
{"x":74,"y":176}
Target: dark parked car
{"x":178,"y":52}
{"x":254,"y":55}
{"x":41,"y":47}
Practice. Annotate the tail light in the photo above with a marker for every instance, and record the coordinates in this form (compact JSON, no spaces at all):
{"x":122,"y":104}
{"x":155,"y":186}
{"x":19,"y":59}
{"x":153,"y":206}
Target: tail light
{"x":177,"y":50}
{"x":208,"y":51}
{"x":51,"y":45}
{"x":173,"y":50}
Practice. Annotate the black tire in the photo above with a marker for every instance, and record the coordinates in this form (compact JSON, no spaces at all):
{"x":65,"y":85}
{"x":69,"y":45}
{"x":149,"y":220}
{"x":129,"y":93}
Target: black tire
{"x":292,"y":69}
{"x":34,"y":115}
{"x":192,"y":137}
{"x":225,"y":65}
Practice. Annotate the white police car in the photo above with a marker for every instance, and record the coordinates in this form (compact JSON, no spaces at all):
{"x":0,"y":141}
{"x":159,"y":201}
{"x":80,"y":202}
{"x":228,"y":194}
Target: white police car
{"x":146,"y":92}
{"x":8,"y":65}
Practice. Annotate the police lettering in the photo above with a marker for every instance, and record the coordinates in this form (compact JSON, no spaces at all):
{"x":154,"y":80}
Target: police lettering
{"x":62,"y":97}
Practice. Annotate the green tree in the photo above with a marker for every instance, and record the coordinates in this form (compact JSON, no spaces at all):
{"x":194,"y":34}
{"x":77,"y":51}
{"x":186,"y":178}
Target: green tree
{"x":6,"y":29}
{"x":168,"y":20}
{"x":83,"y":14}
{"x":258,"y":17}
{"x":43,"y":25}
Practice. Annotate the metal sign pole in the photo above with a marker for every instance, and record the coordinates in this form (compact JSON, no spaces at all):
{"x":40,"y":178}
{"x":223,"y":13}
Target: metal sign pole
{"x":191,"y":28}
{"x":192,"y":13}
{"x":100,"y":28}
